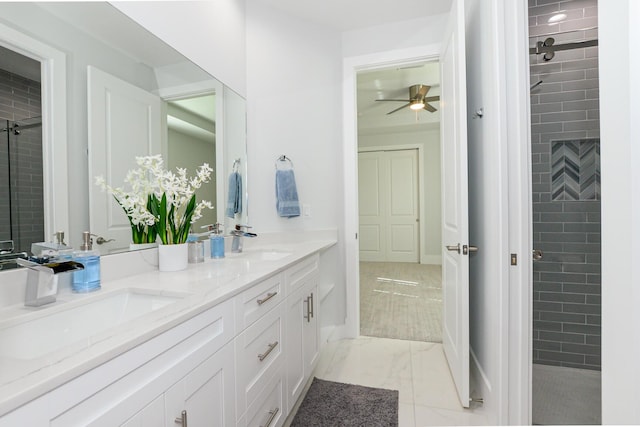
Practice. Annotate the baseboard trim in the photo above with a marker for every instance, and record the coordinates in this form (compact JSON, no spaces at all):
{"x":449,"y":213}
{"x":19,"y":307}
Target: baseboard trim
{"x":431,"y":259}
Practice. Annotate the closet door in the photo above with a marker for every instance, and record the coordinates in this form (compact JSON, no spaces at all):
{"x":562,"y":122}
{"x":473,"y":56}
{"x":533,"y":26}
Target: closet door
{"x":388,"y":205}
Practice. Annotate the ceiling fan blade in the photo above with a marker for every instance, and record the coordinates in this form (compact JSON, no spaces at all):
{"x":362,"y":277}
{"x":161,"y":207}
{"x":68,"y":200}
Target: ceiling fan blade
{"x":432,"y":98}
{"x":398,"y":109}
{"x":429,"y":108}
{"x":399,"y":100}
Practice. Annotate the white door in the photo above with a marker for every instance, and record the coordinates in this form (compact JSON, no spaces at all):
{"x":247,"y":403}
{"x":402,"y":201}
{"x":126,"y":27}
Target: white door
{"x":388,"y":206}
{"x":124,"y":122}
{"x":455,"y":219}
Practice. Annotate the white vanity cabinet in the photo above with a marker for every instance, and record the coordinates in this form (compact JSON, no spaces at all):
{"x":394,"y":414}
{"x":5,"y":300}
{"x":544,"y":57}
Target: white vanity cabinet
{"x":243,"y":362}
{"x":302,"y":326}
{"x":189,"y":367}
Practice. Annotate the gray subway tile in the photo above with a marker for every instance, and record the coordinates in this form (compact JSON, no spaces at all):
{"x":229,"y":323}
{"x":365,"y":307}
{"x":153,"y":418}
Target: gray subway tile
{"x":547,"y":326}
{"x":563,"y":317}
{"x":562,"y":297}
{"x":581,"y":268}
{"x":568,"y":116}
{"x":561,"y":357}
{"x":563,"y":277}
{"x":581,"y":348}
{"x":582,"y":247}
{"x":575,"y":95}
{"x":547,"y":345}
{"x":581,"y":329}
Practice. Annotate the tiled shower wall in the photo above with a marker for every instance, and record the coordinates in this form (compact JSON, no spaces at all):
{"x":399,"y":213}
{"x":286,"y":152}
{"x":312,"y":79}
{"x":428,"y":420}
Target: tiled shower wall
{"x":20,"y":99}
{"x":566,"y":188}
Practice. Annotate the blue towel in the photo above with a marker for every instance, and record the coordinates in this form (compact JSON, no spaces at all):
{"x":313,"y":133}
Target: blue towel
{"x":286,"y":194}
{"x":234,"y":196}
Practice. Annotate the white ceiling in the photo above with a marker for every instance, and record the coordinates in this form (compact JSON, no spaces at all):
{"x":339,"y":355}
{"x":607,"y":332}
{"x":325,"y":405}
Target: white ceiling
{"x":346,"y":15}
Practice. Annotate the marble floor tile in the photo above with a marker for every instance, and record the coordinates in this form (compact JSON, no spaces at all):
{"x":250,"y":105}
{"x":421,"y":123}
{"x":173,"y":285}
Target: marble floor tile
{"x":418,"y":370}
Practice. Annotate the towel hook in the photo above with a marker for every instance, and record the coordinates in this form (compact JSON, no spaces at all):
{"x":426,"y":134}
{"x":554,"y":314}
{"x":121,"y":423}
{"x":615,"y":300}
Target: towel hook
{"x":236,"y":164}
{"x":283,"y":158}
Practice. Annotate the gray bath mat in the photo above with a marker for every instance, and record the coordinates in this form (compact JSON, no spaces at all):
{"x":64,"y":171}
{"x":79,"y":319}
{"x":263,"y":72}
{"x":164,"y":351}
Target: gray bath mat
{"x":332,"y":404}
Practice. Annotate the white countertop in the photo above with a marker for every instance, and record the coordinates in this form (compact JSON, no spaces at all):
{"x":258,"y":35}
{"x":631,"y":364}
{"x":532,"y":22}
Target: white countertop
{"x":205,"y":285}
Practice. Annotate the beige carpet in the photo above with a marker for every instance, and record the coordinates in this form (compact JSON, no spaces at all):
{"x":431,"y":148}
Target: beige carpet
{"x":401,"y":301}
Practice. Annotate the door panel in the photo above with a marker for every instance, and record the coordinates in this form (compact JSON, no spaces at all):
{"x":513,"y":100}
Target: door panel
{"x":403,"y":206}
{"x":389,"y":207}
{"x":370,"y":206}
{"x":124,"y":122}
{"x":455,"y":228}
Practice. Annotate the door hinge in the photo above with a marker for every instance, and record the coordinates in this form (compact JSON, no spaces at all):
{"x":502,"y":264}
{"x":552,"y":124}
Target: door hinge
{"x":356,"y":236}
{"x":514,"y":259}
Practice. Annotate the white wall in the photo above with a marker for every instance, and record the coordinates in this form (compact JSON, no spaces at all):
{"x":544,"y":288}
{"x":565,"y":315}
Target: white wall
{"x":429,"y":140}
{"x":394,"y":36}
{"x":620,"y":156}
{"x":209,"y":33}
{"x":294,"y":108}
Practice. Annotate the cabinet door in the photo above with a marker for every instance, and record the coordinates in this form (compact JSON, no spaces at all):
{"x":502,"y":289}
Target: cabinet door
{"x":302,"y":339}
{"x":151,"y":416}
{"x":311,"y":334}
{"x":205,"y":394}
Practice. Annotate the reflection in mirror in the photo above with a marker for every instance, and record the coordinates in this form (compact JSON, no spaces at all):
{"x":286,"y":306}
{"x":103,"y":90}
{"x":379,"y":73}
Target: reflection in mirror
{"x":96,"y":36}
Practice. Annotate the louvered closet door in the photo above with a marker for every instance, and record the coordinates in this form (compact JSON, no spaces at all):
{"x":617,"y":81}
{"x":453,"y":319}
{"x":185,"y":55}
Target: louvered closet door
{"x":388,"y":205}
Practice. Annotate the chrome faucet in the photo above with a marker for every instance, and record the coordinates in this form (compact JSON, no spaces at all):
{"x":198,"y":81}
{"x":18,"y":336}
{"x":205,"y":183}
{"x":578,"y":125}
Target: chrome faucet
{"x":240,"y":232}
{"x":42,"y":280}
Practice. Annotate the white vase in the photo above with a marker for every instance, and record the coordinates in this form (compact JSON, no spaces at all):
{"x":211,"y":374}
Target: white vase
{"x":141,"y":246}
{"x":172,"y":257}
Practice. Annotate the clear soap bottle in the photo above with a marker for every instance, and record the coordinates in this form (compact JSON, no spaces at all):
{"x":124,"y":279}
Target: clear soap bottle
{"x":217,"y":241}
{"x":87,"y":280}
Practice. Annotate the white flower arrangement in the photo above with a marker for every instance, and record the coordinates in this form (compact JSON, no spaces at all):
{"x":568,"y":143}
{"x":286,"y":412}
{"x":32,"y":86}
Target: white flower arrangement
{"x":160,"y":202}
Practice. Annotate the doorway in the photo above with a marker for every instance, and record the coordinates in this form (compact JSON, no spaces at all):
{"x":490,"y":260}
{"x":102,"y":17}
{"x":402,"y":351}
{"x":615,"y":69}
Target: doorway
{"x":566,"y":198}
{"x":400,"y":282}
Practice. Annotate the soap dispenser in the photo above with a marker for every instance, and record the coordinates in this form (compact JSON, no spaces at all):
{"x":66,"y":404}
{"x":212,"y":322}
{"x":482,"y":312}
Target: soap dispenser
{"x":217,"y":241}
{"x":86,"y":280}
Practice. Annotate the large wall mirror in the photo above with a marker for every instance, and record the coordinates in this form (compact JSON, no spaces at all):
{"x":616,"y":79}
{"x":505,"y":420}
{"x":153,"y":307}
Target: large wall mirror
{"x":83,"y":91}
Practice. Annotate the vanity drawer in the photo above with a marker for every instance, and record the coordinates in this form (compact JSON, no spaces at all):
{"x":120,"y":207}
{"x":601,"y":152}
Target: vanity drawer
{"x":259,"y":353}
{"x":268,"y":409}
{"x":297,"y":275}
{"x":258,"y":300}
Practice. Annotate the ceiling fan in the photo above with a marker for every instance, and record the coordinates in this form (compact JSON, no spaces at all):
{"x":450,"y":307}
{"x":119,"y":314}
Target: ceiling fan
{"x":418,"y":99}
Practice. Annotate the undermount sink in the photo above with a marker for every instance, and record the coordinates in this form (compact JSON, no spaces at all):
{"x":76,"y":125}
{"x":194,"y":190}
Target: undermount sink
{"x":56,"y":327}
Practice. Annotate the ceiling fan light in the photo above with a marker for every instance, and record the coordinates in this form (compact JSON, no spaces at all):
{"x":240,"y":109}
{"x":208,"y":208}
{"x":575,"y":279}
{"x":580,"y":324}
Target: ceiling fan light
{"x":417,"y":105}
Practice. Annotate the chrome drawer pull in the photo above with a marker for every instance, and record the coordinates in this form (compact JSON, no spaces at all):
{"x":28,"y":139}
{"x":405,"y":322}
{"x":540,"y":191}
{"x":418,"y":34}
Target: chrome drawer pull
{"x":272,"y":416}
{"x":182,"y":420}
{"x":266,"y":353}
{"x":308,"y":315}
{"x":267,"y":298}
{"x":311,"y":305}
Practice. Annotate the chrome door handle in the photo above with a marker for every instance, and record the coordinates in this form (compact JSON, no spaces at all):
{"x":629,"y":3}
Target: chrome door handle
{"x":101,"y":240}
{"x":537,"y":254}
{"x":272,"y":415}
{"x":455,"y":248}
{"x":182,"y":419}
{"x":467,"y":249}
{"x":267,"y":298}
{"x":264,"y":355}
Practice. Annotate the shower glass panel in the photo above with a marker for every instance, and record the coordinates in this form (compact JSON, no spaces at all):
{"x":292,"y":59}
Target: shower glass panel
{"x":565,"y":151}
{"x":21,"y":183}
